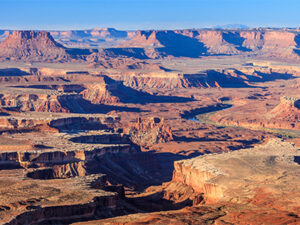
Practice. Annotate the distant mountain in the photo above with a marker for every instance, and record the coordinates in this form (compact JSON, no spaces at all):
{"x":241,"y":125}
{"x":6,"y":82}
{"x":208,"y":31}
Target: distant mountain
{"x":231,"y":26}
{"x":97,"y":37}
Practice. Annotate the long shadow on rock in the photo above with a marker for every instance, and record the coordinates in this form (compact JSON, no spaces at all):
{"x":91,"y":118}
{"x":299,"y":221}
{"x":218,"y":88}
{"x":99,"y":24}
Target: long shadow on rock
{"x":139,"y":170}
{"x":139,"y":97}
{"x":297,"y":104}
{"x":196,"y":139}
{"x":240,"y":79}
{"x":13,"y":72}
{"x":212,"y":108}
{"x":73,"y":87}
{"x":297,"y":51}
{"x":249,"y":142}
{"x":297,"y":159}
{"x":83,"y":106}
{"x":166,"y":162}
{"x":297,"y":40}
{"x":130,"y":95}
{"x":89,"y":107}
{"x":235,"y":39}
{"x":138,"y":53}
{"x":179,"y":45}
{"x":157,"y":202}
{"x":224,"y":80}
{"x":264,"y":77}
{"x":77,"y":52}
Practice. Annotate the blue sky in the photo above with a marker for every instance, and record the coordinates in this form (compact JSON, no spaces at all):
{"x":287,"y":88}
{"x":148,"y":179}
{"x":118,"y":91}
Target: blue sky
{"x":146,"y":14}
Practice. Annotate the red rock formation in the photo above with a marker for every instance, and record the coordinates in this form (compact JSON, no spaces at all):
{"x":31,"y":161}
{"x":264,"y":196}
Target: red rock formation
{"x":40,"y":46}
{"x":33,"y":102}
{"x":69,"y":170}
{"x":110,"y":91}
{"x":24,"y":159}
{"x":102,"y":92}
{"x":147,"y":131}
{"x":284,"y":116}
{"x":72,"y":199}
{"x":223,"y":177}
{"x":287,"y":112}
{"x":204,"y":79}
{"x":144,"y":39}
{"x":267,"y":43}
{"x":214,"y":41}
{"x":31,"y":45}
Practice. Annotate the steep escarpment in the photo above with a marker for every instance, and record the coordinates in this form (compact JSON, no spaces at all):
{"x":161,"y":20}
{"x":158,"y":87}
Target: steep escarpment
{"x":59,"y":123}
{"x":255,"y":186}
{"x":168,"y":43}
{"x":76,"y":146}
{"x":287,"y":112}
{"x":224,"y":78}
{"x":124,"y":59}
{"x":40,"y":46}
{"x":148,"y":131}
{"x":109,"y":91}
{"x":153,"y":44}
{"x":90,"y":101}
{"x":56,"y":201}
{"x":33,"y":102}
{"x":286,"y":104}
{"x":59,"y":171}
{"x":48,"y":102}
{"x":283,"y":115}
{"x":231,"y":177}
{"x":52,"y":157}
{"x":264,"y":43}
{"x":31,"y":45}
{"x":81,"y":156}
{"x":58,"y":214}
{"x":84,"y":122}
{"x":198,"y":180}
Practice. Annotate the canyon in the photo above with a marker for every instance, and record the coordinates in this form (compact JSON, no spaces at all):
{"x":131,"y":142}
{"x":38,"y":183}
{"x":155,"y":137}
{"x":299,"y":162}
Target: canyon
{"x":197,"y":126}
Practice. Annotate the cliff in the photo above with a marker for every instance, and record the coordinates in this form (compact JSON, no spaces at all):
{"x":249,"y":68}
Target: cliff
{"x":284,"y":115}
{"x":250,"y":186}
{"x":40,"y":46}
{"x":31,"y":45}
{"x":148,"y":131}
{"x":33,"y":102}
{"x":55,"y":201}
{"x":231,"y":177}
{"x":265,"y":43}
{"x":110,"y":91}
{"x":225,"y":78}
{"x":286,"y":104}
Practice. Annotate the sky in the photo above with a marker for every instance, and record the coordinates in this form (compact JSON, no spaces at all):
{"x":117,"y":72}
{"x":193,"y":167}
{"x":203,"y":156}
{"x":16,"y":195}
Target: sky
{"x":146,"y":14}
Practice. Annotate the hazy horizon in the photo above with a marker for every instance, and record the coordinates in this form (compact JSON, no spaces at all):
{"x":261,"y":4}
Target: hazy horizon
{"x":146,"y":14}
{"x":120,"y":29}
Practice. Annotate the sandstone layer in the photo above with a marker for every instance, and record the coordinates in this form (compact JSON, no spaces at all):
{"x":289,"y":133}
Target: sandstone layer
{"x":174,"y":119}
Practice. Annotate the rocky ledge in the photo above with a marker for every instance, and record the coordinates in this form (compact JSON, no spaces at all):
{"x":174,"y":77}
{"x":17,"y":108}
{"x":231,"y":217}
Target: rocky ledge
{"x":47,"y":201}
{"x":237,"y":176}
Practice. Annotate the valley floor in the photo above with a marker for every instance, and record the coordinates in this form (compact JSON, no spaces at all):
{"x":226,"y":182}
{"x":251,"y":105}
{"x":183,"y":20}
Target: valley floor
{"x":206,"y":142}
